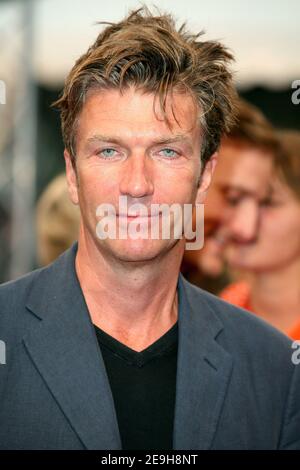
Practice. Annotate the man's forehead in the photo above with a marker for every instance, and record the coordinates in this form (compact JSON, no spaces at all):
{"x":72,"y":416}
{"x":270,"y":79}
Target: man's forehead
{"x":114,"y":116}
{"x":177,"y":110}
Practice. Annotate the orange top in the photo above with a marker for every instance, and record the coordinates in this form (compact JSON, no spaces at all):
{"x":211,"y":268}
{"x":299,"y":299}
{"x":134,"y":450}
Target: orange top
{"x":238,"y":294}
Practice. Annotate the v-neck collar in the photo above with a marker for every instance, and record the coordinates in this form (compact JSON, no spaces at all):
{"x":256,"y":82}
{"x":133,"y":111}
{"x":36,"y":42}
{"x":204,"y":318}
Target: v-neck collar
{"x":162,"y":345}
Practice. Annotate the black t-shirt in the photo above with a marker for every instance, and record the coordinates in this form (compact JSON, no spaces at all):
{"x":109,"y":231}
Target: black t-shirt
{"x":143,"y":386}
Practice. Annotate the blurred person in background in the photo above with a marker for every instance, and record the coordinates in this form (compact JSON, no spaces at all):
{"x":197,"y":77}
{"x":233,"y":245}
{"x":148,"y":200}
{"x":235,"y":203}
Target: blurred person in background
{"x":242,"y":175}
{"x":206,"y":267}
{"x":57,"y":221}
{"x":272,"y":253}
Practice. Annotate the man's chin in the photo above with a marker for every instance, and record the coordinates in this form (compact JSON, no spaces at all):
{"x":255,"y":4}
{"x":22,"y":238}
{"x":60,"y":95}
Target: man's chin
{"x":137,"y":250}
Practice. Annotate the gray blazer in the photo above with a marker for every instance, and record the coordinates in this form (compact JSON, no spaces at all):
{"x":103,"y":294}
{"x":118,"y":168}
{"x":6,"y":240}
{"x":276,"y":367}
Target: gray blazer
{"x":237,"y":387}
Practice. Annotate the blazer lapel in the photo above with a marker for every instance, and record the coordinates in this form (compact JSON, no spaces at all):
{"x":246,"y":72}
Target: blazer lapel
{"x":203,"y":372}
{"x":64,"y":348}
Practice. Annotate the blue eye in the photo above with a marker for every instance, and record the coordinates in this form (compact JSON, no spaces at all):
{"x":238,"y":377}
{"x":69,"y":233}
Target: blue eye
{"x":169,"y":153}
{"x":107,"y":153}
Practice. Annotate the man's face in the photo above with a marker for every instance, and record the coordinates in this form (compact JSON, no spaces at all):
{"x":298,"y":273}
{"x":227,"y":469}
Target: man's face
{"x":234,"y":202}
{"x":125,"y":148}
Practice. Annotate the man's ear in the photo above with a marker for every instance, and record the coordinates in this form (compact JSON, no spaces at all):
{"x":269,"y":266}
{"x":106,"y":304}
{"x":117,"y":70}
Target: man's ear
{"x":71,"y":178}
{"x":206,"y":177}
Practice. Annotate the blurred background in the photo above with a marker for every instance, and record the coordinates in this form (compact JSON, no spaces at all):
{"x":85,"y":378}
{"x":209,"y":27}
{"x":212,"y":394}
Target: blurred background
{"x":41,"y":39}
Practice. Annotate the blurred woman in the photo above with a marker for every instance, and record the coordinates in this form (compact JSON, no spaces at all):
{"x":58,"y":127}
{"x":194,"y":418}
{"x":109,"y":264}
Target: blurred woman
{"x":273,"y":259}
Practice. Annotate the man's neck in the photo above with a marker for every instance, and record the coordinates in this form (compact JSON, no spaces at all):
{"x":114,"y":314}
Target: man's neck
{"x":136,"y":303}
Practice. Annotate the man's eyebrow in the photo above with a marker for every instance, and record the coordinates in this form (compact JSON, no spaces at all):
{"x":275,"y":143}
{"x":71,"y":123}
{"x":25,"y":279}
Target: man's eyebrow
{"x":171,"y":140}
{"x":159,"y":141}
{"x":102,"y":138}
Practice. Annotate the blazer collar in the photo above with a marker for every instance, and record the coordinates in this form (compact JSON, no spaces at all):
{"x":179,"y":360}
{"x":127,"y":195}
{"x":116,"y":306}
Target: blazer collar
{"x":64,"y":348}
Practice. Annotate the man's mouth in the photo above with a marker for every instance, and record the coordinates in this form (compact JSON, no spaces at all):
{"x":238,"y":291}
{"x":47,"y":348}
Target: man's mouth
{"x":135,"y":215}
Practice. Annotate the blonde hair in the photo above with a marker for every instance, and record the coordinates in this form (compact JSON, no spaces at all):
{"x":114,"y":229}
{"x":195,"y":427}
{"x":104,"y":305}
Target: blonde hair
{"x":57,"y":221}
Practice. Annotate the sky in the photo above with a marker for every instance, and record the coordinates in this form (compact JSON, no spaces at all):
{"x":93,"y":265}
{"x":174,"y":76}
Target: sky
{"x":264,"y":35}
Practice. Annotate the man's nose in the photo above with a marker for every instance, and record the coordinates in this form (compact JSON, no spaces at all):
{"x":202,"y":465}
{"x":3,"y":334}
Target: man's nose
{"x":136,"y":179}
{"x":243,"y":222}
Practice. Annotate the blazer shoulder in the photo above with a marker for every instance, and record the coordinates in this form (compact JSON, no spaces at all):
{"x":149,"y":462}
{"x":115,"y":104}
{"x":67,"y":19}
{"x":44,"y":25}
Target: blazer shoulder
{"x":13,"y":296}
{"x":15,"y":290}
{"x":38,"y":286}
